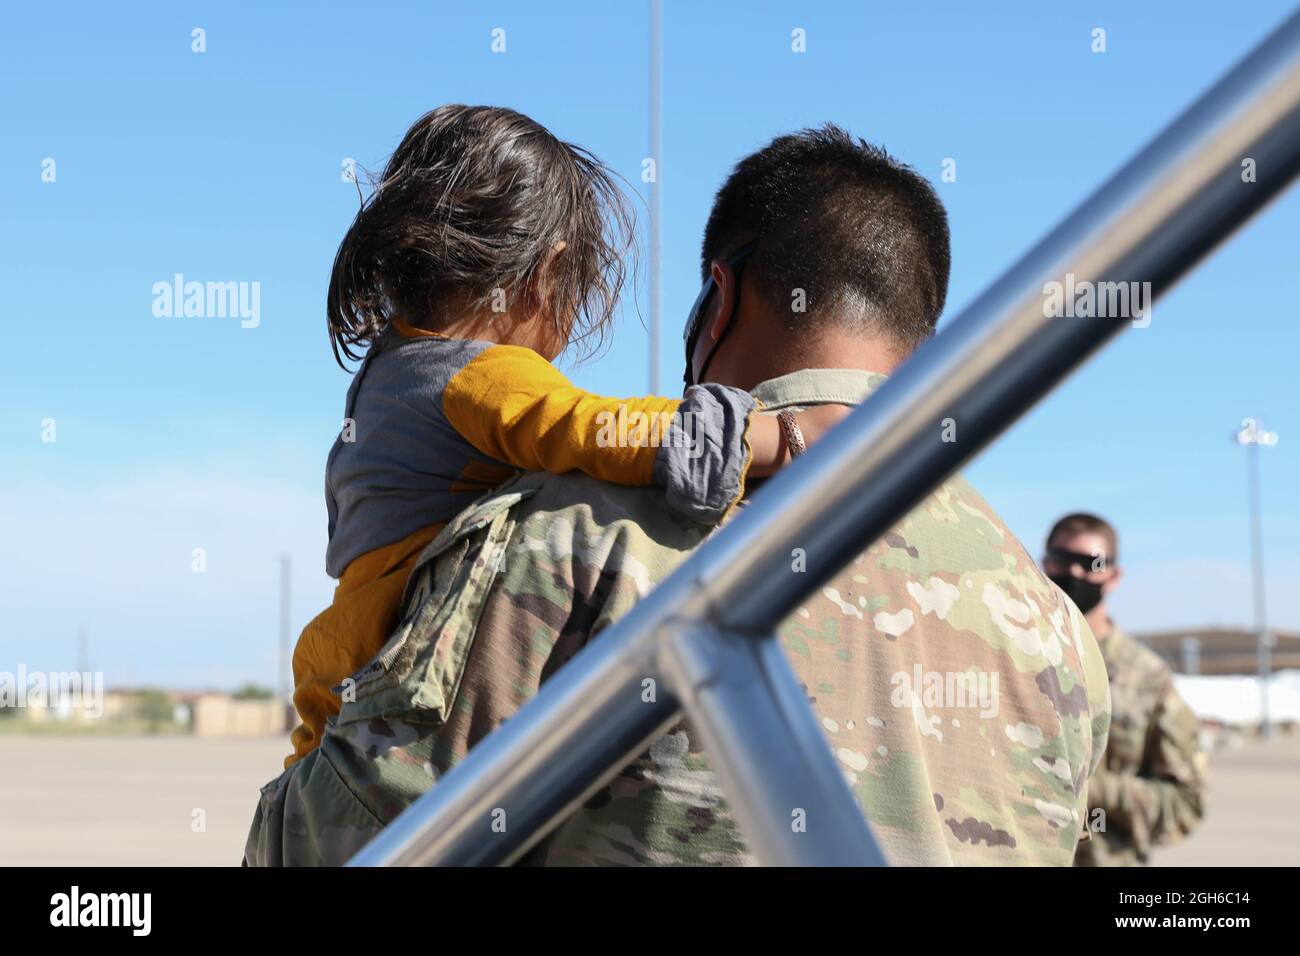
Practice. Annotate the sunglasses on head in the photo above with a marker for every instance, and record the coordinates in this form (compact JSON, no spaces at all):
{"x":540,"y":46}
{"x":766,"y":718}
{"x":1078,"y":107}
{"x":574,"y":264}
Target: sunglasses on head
{"x":695,"y":321}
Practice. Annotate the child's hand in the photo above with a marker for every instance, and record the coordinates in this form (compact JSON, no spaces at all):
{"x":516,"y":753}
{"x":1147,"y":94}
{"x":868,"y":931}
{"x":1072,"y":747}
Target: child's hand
{"x":816,"y":420}
{"x":768,"y":445}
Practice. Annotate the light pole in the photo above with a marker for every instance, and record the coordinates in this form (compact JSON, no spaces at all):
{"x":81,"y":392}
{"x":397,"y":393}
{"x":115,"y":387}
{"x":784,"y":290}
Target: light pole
{"x":656,"y":197}
{"x":286,"y":574}
{"x":1252,"y":435}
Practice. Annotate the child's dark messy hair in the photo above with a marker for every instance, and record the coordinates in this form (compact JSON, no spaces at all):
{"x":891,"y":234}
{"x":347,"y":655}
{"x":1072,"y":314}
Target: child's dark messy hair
{"x":470,"y":209}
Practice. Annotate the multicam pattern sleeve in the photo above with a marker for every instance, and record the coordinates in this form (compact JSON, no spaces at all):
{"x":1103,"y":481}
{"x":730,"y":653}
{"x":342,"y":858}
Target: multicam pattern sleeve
{"x":1151,"y":787}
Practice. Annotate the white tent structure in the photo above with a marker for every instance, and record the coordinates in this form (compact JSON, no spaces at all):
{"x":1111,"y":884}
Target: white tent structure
{"x":1236,"y":700}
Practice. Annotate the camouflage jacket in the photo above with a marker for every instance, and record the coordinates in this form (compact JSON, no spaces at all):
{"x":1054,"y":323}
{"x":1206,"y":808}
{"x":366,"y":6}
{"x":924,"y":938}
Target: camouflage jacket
{"x":1150,"y":788}
{"x":963,"y":694}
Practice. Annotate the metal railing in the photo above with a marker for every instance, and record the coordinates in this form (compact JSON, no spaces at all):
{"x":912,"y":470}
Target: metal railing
{"x":705,"y":635}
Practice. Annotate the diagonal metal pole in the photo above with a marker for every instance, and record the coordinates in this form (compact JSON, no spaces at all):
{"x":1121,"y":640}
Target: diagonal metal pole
{"x":1151,"y":222}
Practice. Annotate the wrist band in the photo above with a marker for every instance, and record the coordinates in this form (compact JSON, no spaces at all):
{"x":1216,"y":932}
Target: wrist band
{"x":793,"y":435}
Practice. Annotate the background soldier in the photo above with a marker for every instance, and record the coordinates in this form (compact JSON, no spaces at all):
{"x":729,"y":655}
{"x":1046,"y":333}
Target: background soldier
{"x":1150,"y":788}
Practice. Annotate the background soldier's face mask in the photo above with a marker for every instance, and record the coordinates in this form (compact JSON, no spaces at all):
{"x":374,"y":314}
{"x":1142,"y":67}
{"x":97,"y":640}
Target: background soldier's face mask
{"x":1084,"y":593}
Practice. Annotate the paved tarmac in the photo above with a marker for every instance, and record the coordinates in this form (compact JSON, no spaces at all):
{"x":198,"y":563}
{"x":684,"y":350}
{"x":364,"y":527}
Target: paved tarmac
{"x":95,"y":801}
{"x":1254,"y":809}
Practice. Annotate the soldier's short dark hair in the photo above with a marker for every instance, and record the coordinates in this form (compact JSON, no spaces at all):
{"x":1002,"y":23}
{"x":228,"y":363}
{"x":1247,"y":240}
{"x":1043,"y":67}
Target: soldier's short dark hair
{"x":863,"y":235}
{"x":1081,"y":522}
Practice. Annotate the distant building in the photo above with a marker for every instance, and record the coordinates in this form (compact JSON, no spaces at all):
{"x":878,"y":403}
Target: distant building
{"x":1221,"y":650}
{"x":136,"y":710}
{"x":221,"y":715}
{"x":114,"y":705}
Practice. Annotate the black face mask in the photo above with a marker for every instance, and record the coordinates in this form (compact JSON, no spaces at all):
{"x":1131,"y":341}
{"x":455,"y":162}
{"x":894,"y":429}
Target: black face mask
{"x":1086,"y":594}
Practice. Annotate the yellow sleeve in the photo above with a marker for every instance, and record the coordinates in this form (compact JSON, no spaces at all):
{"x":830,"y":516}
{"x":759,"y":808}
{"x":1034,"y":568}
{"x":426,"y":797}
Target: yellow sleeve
{"x":512,"y":404}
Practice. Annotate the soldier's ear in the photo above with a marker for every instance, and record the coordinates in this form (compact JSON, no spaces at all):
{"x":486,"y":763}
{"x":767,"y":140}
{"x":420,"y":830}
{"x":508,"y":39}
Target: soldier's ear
{"x":1109,"y":585}
{"x":723,"y":306}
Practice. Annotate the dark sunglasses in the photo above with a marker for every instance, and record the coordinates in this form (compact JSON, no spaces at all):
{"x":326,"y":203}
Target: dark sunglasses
{"x":1085,"y":562}
{"x":695,"y":321}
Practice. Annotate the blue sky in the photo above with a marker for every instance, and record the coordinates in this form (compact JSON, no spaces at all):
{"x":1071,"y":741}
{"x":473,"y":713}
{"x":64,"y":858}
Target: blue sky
{"x":174,"y":434}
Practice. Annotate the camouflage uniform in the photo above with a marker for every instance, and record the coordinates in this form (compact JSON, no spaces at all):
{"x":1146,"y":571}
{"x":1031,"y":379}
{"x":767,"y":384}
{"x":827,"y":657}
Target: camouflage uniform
{"x":1150,"y":788}
{"x":520,"y":582}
